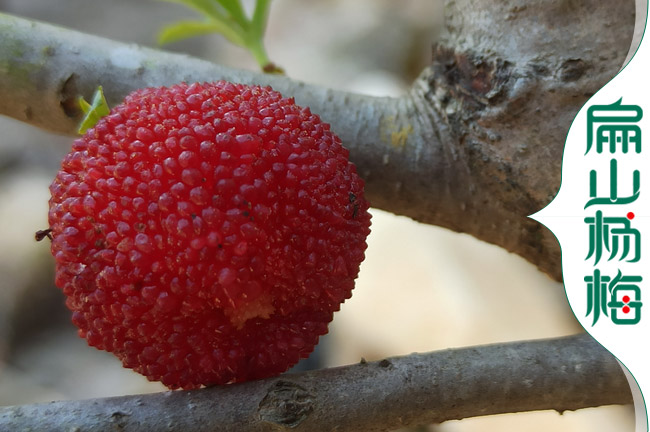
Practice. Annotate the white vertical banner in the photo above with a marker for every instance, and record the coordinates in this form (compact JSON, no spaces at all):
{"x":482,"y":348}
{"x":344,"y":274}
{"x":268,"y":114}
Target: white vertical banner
{"x":601,"y":217}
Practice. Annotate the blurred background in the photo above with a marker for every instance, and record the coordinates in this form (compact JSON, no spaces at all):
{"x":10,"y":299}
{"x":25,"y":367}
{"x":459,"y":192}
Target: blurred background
{"x":421,"y":288}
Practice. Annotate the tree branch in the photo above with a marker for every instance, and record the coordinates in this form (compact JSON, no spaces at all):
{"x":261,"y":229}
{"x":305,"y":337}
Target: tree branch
{"x":560,"y":374}
{"x":45,"y":68}
{"x":475,"y":147}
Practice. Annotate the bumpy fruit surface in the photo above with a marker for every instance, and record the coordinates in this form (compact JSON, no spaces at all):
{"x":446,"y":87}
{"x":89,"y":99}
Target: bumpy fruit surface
{"x":206,"y":233}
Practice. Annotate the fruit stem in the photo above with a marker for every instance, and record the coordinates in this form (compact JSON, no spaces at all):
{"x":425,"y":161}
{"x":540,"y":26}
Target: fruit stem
{"x":257,"y":50}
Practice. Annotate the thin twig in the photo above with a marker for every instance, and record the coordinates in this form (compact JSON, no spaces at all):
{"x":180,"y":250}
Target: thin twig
{"x":560,"y":374}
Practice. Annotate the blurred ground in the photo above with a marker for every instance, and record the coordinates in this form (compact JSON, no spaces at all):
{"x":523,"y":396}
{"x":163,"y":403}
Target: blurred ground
{"x":421,"y":288}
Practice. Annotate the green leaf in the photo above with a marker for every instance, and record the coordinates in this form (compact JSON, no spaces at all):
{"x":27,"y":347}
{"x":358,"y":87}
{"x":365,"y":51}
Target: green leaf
{"x":204,"y":7}
{"x":186,"y":29}
{"x":228,"y":18}
{"x":93,"y":112}
{"x":234,"y":9}
{"x":260,"y":17}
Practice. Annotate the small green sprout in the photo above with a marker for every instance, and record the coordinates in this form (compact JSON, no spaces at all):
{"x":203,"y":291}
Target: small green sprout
{"x":226,"y":17}
{"x":93,"y":112}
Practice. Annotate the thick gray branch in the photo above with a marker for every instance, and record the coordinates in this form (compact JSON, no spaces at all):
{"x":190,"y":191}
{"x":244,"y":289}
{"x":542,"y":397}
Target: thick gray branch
{"x":510,"y":77}
{"x":559,"y":374}
{"x":476,"y":146}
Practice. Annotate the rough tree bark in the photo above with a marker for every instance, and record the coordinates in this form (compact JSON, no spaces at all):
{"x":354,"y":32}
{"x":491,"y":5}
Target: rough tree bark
{"x":475,"y":146}
{"x":562,"y":374}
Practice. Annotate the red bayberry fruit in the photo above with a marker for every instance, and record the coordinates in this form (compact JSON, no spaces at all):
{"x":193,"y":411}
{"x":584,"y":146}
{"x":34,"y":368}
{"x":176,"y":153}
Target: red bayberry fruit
{"x":206,"y":233}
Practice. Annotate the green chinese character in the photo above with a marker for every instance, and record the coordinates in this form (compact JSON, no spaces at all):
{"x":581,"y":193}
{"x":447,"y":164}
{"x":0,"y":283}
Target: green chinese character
{"x":624,"y":293}
{"x":614,"y":133}
{"x":609,"y":233}
{"x":613,"y":197}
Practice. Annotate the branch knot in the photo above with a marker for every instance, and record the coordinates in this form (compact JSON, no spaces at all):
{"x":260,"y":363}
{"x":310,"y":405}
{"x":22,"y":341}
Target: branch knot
{"x":286,"y":404}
